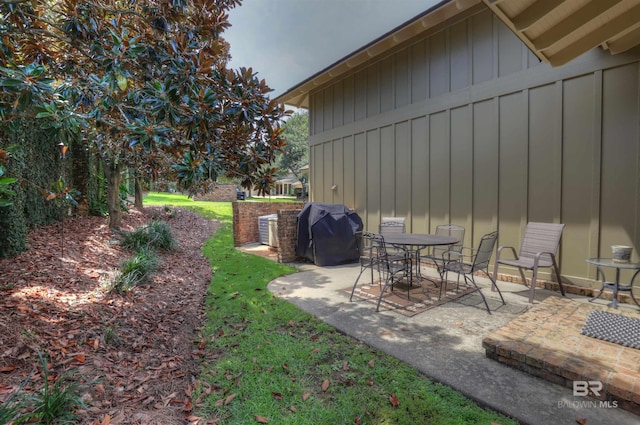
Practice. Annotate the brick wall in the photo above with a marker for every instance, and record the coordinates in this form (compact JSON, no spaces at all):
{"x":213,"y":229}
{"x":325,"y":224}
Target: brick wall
{"x":245,"y":220}
{"x":221,"y":193}
{"x":287,"y":235}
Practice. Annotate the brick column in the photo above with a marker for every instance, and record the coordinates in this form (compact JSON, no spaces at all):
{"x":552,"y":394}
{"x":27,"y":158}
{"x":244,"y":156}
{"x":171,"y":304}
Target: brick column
{"x":287,"y":235}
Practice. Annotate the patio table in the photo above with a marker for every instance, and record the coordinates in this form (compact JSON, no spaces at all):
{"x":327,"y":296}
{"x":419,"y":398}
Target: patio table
{"x":615,"y":285}
{"x":413,"y":243}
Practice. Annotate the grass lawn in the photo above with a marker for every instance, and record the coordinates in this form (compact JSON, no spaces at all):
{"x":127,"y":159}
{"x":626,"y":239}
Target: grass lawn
{"x":273,"y":363}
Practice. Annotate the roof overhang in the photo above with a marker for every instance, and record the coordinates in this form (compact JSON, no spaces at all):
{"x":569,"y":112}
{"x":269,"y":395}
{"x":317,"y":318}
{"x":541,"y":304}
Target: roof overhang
{"x":298,"y":95}
{"x":558,"y":31}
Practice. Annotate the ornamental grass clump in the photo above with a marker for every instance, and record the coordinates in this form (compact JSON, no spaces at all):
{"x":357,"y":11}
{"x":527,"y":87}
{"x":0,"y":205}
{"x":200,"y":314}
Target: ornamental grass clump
{"x":156,"y":235}
{"x":54,"y":402}
{"x":136,"y":269}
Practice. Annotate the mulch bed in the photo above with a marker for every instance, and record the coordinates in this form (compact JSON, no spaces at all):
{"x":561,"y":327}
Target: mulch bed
{"x":134,"y":355}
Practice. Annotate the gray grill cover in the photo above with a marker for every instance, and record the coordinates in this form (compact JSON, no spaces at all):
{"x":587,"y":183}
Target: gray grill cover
{"x":326,"y":234}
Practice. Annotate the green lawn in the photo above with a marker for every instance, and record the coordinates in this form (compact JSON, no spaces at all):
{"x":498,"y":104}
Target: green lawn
{"x":270,"y":362}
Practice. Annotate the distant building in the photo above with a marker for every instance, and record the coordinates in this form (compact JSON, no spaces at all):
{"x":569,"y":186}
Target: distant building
{"x":287,"y":185}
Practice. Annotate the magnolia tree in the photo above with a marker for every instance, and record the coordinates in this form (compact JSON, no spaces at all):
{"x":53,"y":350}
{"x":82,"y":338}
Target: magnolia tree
{"x":145,"y":84}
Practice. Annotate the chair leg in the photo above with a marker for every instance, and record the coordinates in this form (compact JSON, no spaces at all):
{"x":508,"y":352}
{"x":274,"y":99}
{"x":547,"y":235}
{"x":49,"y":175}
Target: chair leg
{"x":555,"y":267}
{"x":495,"y":275}
{"x":356,"y":282}
{"x":533,"y":285}
{"x":524,"y":278}
{"x":473,"y":281}
{"x":372,"y":273}
{"x":384,"y":288}
{"x":443,"y":285}
{"x":494,"y":284}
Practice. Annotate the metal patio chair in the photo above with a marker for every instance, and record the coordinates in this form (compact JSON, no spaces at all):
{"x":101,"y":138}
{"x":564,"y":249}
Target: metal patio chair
{"x":374,"y":255}
{"x":392,"y":225}
{"x":538,"y":249}
{"x":478,"y":262}
{"x":369,"y":245}
{"x":440,"y":255}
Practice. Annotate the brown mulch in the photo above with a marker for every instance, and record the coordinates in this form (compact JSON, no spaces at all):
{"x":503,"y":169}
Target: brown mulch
{"x":134,"y":355}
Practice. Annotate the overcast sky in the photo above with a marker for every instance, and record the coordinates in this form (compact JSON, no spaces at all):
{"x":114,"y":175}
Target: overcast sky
{"x":286,"y":41}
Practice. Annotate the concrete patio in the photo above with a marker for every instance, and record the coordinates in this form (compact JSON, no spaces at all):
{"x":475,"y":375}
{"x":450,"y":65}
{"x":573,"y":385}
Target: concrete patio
{"x":446,"y":343}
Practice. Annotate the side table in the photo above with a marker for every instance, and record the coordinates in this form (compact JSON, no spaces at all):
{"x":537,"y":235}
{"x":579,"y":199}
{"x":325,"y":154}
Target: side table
{"x":615,"y":286}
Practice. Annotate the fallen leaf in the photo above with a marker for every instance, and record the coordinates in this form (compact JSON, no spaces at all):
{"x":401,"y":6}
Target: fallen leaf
{"x":261,"y":419}
{"x":50,"y":289}
{"x":458,"y":324}
{"x":372,"y":363}
{"x":293,"y":409}
{"x":277,"y":396}
{"x":229,"y":399}
{"x":581,"y":421}
{"x":325,"y":385}
{"x":394,"y":400}
{"x":305,"y":396}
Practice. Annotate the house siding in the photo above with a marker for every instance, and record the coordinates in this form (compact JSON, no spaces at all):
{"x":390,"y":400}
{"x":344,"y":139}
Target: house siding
{"x":465,"y":125}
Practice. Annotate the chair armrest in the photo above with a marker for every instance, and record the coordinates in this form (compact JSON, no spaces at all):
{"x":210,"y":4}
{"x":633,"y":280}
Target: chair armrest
{"x":449,"y":256}
{"x":551,"y":255}
{"x":513,"y":250}
{"x":452,"y":255}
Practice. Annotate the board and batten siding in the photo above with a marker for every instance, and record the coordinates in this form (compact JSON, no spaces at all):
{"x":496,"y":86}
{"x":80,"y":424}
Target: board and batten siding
{"x":466,"y":126}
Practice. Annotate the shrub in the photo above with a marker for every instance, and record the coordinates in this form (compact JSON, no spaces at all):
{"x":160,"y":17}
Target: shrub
{"x":142,"y":263}
{"x":55,"y":402}
{"x":135,"y":269}
{"x":156,"y":234}
{"x":8,"y":411}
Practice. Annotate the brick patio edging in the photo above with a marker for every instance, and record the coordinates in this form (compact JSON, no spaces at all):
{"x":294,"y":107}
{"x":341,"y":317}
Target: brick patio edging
{"x":546,"y":342}
{"x":569,"y":288}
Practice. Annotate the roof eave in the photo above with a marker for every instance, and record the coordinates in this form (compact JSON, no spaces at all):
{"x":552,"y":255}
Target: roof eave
{"x":298,"y":95}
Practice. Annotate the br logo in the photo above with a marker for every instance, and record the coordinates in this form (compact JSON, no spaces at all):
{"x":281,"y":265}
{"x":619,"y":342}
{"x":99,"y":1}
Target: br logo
{"x":583,"y":388}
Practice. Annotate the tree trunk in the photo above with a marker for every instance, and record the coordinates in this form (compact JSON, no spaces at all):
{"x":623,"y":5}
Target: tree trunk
{"x":113,"y":173}
{"x":138,"y":192}
{"x":80,"y":174}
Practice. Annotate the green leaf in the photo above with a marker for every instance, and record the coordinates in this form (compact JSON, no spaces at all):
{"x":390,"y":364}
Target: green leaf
{"x":122,"y":81}
{"x":10,"y":82}
{"x":7,"y":180}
